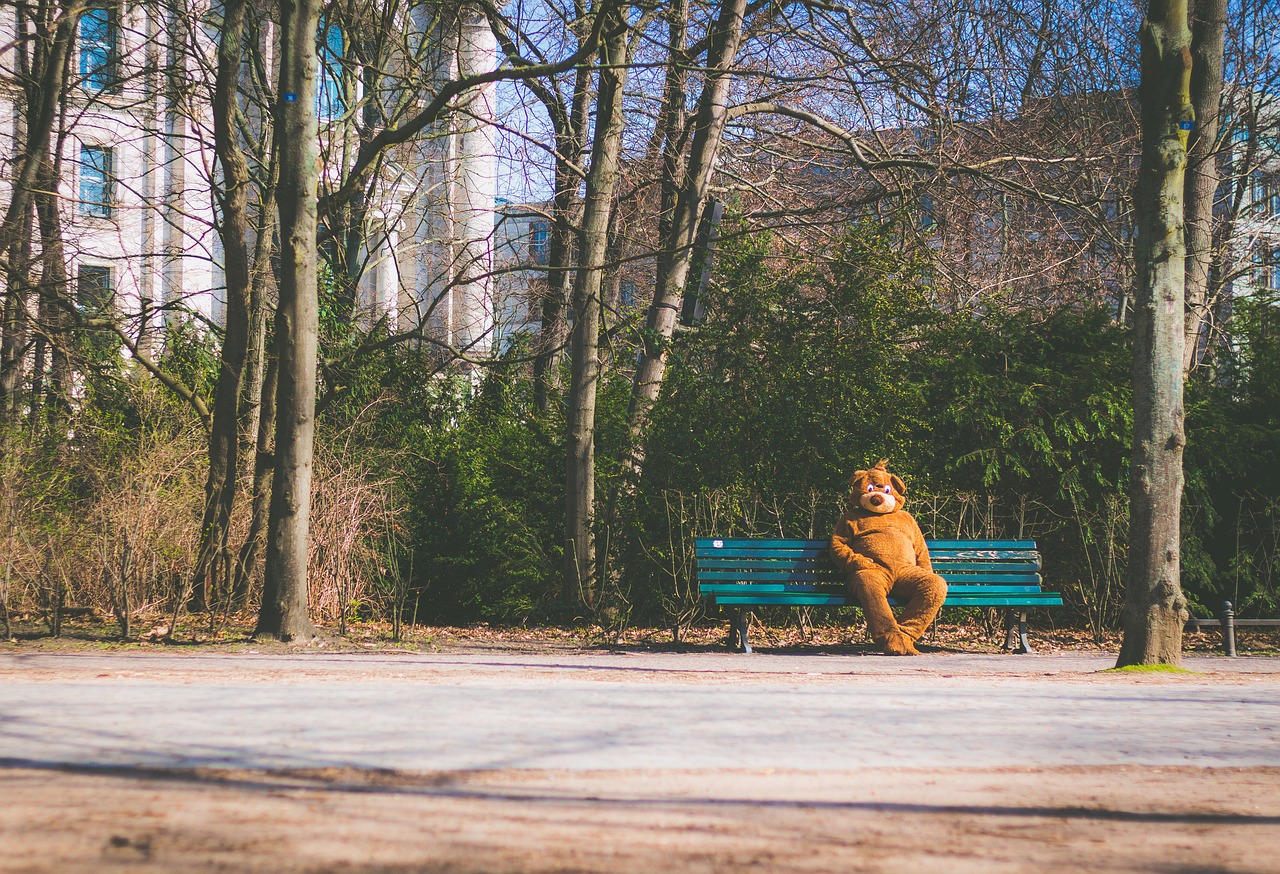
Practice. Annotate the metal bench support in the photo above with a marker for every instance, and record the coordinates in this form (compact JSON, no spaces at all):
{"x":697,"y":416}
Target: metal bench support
{"x":1018,"y":643}
{"x":738,"y":627}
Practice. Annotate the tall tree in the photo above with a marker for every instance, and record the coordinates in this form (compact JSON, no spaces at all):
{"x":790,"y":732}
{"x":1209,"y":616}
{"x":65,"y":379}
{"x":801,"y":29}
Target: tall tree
{"x":602,"y":183}
{"x":1208,"y":20}
{"x":1155,"y":607}
{"x":233,"y":196}
{"x":284,"y":613}
{"x":688,"y":180}
{"x":45,"y":33}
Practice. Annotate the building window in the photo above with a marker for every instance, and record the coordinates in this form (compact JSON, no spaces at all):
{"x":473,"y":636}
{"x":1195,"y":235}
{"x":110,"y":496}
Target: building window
{"x":329,"y":89}
{"x":95,"y":181}
{"x":93,"y":289}
{"x":540,"y":242}
{"x":99,"y":49}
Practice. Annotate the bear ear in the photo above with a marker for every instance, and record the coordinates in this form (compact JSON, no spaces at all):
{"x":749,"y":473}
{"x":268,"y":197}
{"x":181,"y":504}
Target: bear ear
{"x":898,"y":485}
{"x":857,"y":475}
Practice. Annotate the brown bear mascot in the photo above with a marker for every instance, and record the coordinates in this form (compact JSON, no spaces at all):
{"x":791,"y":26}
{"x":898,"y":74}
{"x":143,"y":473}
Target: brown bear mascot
{"x":881,"y":548}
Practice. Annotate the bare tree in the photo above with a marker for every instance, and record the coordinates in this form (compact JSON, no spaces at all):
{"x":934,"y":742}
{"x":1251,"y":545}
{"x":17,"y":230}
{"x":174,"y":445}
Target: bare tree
{"x":690,"y":180}
{"x":602,"y":181}
{"x":1208,"y":29}
{"x":1155,"y":607}
{"x":284,"y":612}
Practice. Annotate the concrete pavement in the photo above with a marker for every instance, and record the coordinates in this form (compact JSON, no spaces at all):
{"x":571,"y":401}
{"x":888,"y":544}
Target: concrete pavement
{"x":437,"y":712}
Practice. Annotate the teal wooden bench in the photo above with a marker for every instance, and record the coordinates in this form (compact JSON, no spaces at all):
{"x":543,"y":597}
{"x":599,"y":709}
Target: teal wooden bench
{"x":740,"y":573}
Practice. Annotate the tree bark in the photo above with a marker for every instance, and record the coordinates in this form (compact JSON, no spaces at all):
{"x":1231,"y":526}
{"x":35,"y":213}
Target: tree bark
{"x":602,"y":180}
{"x":224,"y":432}
{"x":677,"y":241}
{"x":44,"y":61}
{"x":263,"y":470}
{"x":285,"y":613}
{"x":554,"y":330}
{"x":1208,"y":20}
{"x":54,"y":298}
{"x":1155,"y":607}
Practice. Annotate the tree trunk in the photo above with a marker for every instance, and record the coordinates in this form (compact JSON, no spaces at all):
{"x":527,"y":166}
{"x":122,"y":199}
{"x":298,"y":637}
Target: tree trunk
{"x":1155,"y":608}
{"x":564,"y":215}
{"x":224,"y":432}
{"x":602,"y":180}
{"x":677,"y":242}
{"x":55,"y":297}
{"x":284,"y":612}
{"x":44,"y":61}
{"x":263,"y":469}
{"x":1208,"y":20}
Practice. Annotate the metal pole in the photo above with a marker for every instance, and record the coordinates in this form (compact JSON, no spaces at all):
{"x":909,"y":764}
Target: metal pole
{"x":1228,"y":629}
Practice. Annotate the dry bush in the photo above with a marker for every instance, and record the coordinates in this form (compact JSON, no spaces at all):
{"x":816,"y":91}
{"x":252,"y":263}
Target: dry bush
{"x":357,"y":537}
{"x":96,"y":525}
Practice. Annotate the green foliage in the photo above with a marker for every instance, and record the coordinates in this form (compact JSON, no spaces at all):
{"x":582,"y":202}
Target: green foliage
{"x":1002,"y":423}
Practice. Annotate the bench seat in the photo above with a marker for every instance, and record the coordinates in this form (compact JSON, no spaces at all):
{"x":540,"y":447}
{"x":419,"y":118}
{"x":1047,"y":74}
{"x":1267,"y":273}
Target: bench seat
{"x":768,"y":572}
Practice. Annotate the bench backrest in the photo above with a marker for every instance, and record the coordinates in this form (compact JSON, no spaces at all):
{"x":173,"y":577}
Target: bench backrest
{"x":1013,"y":565}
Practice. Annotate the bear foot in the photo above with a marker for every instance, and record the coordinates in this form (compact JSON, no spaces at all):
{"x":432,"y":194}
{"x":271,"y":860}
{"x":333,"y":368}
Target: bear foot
{"x":898,"y":644}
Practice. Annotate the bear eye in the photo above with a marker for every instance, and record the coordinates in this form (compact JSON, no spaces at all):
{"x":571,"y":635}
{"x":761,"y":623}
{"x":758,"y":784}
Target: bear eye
{"x":871,"y":487}
{"x":886,"y":488}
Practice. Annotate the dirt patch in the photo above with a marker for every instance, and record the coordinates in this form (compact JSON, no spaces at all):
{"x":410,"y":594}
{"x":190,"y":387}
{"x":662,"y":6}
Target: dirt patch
{"x":1116,"y":819}
{"x":91,"y":632}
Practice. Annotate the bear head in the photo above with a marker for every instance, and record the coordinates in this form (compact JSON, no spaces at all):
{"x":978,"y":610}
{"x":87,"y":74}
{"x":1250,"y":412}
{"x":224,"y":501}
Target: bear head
{"x":876,"y":490}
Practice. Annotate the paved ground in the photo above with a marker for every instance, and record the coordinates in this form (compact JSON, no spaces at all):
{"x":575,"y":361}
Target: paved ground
{"x":437,"y":713}
{"x":584,"y":762}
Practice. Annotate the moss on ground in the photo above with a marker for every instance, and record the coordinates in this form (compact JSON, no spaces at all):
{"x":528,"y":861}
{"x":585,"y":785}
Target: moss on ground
{"x":1148,"y":669}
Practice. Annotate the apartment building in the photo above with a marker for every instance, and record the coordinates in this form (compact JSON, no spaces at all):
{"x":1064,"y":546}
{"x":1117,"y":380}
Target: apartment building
{"x":136,"y":192}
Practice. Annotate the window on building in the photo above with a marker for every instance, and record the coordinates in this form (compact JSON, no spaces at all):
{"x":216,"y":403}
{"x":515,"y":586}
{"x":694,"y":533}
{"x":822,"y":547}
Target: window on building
{"x":330,"y":102}
{"x":95,"y":181}
{"x":540,"y":242}
{"x":1265,"y":193}
{"x":93,"y":288}
{"x":99,"y":49}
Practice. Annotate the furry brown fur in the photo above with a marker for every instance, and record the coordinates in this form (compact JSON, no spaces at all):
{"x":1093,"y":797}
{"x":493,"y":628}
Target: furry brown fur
{"x":881,"y":548}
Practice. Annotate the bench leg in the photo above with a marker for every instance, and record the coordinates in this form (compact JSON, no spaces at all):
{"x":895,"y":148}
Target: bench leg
{"x":738,"y":631}
{"x":1018,"y":643}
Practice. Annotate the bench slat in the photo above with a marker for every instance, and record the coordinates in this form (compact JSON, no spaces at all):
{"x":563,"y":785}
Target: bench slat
{"x":771,"y":588}
{"x":787,"y":543}
{"x":940,"y":566}
{"x":737,"y":552}
{"x":818,"y":599}
{"x":814,"y":574}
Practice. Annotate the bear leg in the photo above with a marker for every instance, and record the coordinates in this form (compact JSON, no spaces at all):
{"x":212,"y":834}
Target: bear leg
{"x":924,"y":593}
{"x":871,"y":588}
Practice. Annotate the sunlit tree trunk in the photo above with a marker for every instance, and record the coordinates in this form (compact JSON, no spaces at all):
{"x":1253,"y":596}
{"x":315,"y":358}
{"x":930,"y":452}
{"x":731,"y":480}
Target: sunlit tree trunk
{"x":1208,"y":19}
{"x":1155,"y":607}
{"x":602,"y":180}
{"x":285,"y":612}
{"x":45,"y":34}
{"x":694,"y":177}
{"x":233,"y":193}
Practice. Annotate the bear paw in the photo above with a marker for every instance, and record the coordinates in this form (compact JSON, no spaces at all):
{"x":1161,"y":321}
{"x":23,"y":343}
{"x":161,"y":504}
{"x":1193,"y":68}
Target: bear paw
{"x":897,"y":643}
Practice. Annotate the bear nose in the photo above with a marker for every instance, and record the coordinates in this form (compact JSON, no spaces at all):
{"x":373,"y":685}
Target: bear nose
{"x":876,"y":500}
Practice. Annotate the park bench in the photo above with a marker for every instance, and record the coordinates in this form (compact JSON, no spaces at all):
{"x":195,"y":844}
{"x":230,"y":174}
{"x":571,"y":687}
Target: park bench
{"x":741,"y":573}
{"x":1227,"y":622}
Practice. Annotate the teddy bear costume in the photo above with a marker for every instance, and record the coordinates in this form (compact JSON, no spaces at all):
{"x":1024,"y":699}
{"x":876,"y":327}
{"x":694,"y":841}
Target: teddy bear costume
{"x":881,"y":548}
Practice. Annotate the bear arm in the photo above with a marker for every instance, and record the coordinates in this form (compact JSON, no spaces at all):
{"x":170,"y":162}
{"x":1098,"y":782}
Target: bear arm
{"x":922,"y":549}
{"x":843,"y":554}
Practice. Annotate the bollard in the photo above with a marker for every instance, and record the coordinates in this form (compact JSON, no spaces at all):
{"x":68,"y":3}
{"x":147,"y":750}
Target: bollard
{"x":1228,"y":629}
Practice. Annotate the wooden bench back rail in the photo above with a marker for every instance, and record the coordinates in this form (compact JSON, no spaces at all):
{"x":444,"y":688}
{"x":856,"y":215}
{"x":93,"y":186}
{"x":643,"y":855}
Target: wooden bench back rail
{"x":756,"y":572}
